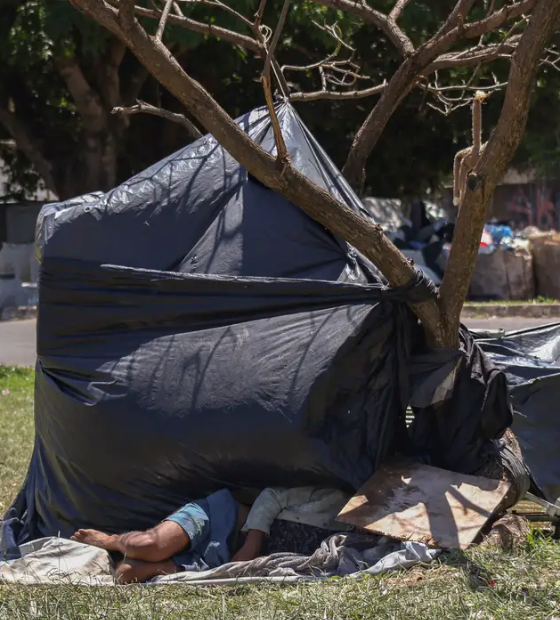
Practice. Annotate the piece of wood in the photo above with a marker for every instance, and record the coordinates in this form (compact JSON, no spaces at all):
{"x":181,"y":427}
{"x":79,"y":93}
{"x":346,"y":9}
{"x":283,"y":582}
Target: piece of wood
{"x":410,"y":501}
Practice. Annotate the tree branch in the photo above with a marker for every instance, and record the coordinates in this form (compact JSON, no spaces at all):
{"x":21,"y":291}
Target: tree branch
{"x":259,"y":14}
{"x":338,"y":95}
{"x":163,"y":19}
{"x":404,"y":80}
{"x":340,"y":72}
{"x":456,"y":19}
{"x":365,"y":236}
{"x":398,"y":9}
{"x":475,"y":56}
{"x":221,"y":5}
{"x":493,"y":21}
{"x":282,"y":151}
{"x":388,"y":26}
{"x":495,"y":157}
{"x":208,"y":29}
{"x":142,"y":107}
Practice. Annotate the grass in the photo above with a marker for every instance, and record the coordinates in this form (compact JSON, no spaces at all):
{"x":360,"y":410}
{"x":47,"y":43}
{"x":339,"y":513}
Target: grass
{"x":16,"y":430}
{"x":483,"y":583}
{"x":528,"y":302}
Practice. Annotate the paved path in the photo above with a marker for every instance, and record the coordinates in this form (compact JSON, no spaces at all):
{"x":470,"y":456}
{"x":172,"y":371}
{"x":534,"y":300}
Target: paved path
{"x":17,"y":338}
{"x":17,"y":343}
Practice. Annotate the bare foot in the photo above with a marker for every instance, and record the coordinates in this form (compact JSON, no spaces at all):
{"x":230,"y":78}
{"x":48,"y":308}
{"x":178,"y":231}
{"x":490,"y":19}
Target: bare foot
{"x":95,"y":538}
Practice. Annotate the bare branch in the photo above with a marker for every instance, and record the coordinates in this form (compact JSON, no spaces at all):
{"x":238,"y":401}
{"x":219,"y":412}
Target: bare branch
{"x":282,"y":151}
{"x":338,"y":95}
{"x":335,"y":33}
{"x":208,"y":29}
{"x":343,"y":73}
{"x":488,"y":12}
{"x":404,"y":79}
{"x":163,"y":20}
{"x":491,"y":22}
{"x":456,"y":18}
{"x":226,"y":8}
{"x":276,"y":37}
{"x":388,"y":26}
{"x":259,"y":14}
{"x":552,"y":59}
{"x":397,"y":9}
{"x":142,"y":107}
{"x":448,"y":103}
{"x":474,"y":56}
{"x":284,"y":87}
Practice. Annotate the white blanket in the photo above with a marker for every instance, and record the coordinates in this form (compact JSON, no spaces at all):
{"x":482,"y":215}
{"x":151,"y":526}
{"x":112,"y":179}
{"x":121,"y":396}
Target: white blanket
{"x":60,"y":561}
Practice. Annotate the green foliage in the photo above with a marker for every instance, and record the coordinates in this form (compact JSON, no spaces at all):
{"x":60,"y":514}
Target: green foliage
{"x":414,"y":154}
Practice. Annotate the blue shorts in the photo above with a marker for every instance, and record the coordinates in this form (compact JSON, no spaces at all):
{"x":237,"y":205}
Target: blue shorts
{"x":209,"y":523}
{"x":195,"y":520}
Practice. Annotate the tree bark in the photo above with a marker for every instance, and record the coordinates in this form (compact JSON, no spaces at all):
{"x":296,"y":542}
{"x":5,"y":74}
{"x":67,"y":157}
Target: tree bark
{"x":98,"y":144}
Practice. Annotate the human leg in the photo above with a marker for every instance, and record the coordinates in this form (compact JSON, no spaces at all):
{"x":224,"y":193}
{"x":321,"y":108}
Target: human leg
{"x":155,"y":545}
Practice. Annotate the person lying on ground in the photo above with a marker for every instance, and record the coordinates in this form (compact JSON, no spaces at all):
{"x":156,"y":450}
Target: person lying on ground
{"x":208,"y":533}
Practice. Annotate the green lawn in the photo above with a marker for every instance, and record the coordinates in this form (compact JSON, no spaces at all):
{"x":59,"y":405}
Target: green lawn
{"x":481,"y":584}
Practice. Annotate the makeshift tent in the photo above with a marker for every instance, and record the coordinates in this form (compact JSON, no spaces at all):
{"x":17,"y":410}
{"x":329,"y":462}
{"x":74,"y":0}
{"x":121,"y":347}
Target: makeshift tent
{"x":196,"y":330}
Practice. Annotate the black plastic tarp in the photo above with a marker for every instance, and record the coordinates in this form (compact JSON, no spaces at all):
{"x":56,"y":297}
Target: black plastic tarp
{"x":530,"y":359}
{"x":454,"y":433}
{"x":196,"y":330}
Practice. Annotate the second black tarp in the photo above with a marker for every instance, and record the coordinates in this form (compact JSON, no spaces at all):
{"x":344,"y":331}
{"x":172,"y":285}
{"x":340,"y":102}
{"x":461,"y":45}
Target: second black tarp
{"x":530,"y":359}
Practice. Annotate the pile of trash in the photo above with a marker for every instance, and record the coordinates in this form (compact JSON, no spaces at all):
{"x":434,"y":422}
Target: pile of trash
{"x":504,"y":267}
{"x":512,"y":265}
{"x":423,"y":234}
{"x":545,"y":249}
{"x":517,"y":264}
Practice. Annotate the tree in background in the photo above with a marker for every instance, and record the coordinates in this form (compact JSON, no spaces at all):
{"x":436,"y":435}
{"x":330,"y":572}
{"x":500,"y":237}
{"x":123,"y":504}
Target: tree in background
{"x":40,"y":113}
{"x":56,"y":92}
